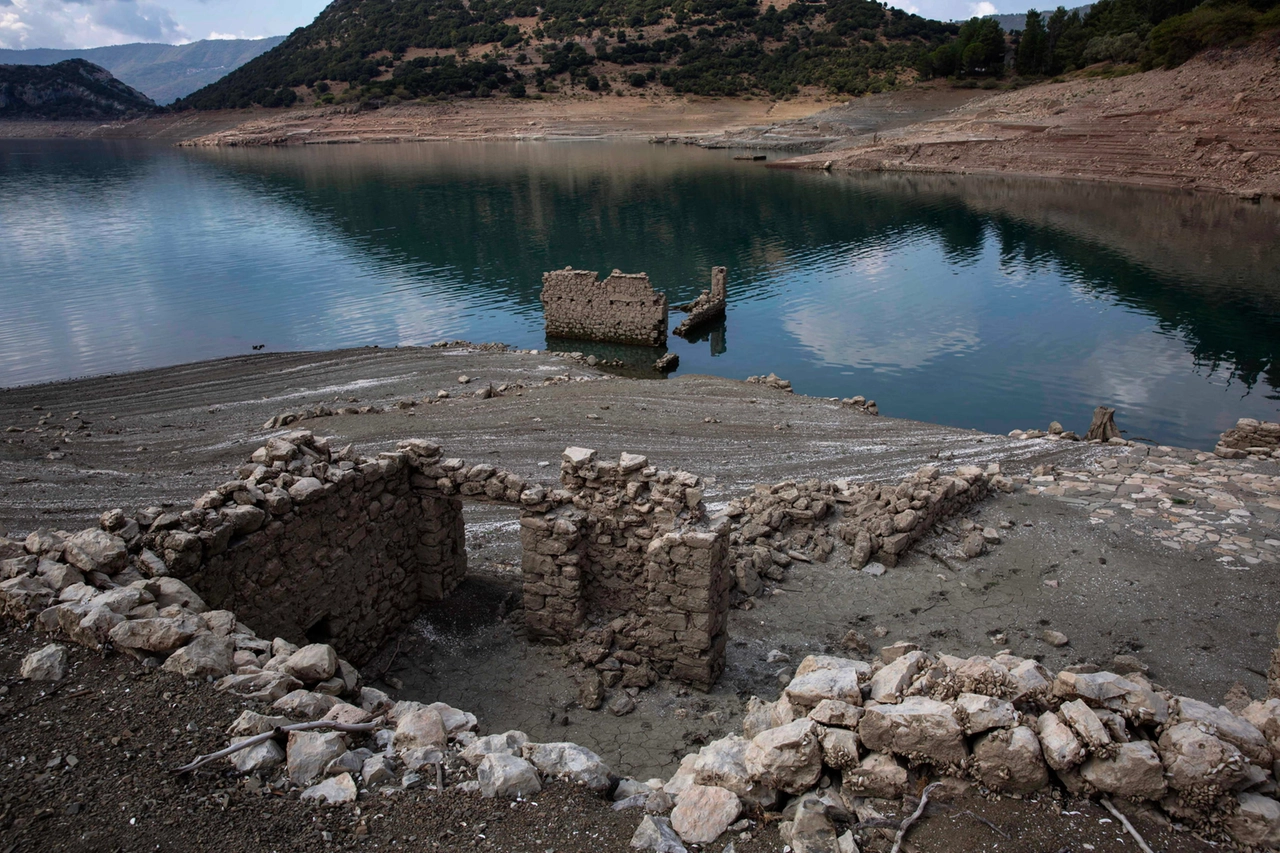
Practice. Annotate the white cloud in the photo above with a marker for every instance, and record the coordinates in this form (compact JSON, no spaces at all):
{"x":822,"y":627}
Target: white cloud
{"x":85,"y":23}
{"x":904,"y":320}
{"x":982,"y":9}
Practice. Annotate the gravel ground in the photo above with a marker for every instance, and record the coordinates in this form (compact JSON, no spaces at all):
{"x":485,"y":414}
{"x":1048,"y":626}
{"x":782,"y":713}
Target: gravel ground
{"x":88,"y":764}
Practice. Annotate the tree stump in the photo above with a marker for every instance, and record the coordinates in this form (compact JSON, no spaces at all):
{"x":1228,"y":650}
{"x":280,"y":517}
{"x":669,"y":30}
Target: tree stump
{"x":1103,"y":427}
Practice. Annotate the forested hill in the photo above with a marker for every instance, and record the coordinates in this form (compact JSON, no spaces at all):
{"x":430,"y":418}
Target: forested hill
{"x":68,"y":90}
{"x":382,"y":49}
{"x":377,"y":52}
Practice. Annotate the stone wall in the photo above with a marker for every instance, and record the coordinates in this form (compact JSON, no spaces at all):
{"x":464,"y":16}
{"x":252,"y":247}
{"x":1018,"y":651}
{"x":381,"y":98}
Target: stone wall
{"x":710,"y":305}
{"x":1250,"y":437}
{"x":311,"y":544}
{"x":631,"y":549}
{"x":621,"y":309}
{"x":342,"y":551}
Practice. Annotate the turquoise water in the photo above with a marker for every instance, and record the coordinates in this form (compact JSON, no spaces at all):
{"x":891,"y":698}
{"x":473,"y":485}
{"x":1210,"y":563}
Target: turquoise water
{"x":987,"y":303}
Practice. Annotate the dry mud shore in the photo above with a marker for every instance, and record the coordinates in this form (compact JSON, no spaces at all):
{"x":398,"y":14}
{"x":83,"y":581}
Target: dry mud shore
{"x":1083,"y":552}
{"x":632,"y":116}
{"x":1210,"y":124}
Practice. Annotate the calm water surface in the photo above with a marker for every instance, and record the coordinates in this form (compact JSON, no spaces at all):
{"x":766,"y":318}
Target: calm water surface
{"x":987,"y":303}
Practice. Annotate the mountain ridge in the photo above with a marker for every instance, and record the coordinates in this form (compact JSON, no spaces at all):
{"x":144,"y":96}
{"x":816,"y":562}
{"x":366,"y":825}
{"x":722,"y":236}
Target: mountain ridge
{"x":72,"y":89}
{"x":163,"y":72}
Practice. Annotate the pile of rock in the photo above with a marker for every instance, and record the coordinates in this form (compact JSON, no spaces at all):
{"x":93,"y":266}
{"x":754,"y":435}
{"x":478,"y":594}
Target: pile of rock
{"x":862,"y":404}
{"x":882,"y":521}
{"x":493,"y":346}
{"x":285,"y":419}
{"x":772,"y":381}
{"x":1250,"y":439}
{"x":844,"y":731}
{"x":387,"y":748}
{"x":710,"y":304}
{"x":1055,"y":432}
{"x":482,"y":392}
{"x":589,"y":360}
{"x":787,"y":522}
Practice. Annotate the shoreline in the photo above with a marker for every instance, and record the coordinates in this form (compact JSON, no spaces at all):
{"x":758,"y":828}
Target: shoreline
{"x":1208,"y":125}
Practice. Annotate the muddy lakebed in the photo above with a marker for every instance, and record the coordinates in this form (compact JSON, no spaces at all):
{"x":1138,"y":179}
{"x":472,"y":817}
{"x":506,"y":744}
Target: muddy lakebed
{"x":162,"y":437}
{"x":986,"y":303}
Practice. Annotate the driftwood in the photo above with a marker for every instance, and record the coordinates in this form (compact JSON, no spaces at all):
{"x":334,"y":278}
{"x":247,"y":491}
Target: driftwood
{"x":1142,"y":845}
{"x":1103,"y":427}
{"x":349,"y":728}
{"x":906,"y":824}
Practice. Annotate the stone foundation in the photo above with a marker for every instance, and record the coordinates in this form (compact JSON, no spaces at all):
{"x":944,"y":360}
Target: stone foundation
{"x":350,"y":566}
{"x":622,"y":309}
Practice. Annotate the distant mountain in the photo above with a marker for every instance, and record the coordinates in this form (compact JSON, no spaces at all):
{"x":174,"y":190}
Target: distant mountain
{"x":164,"y":72}
{"x":75,"y":88}
{"x":1012,"y":23}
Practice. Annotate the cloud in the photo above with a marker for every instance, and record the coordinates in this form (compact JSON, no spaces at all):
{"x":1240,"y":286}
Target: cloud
{"x":980,"y":10}
{"x":85,"y":23}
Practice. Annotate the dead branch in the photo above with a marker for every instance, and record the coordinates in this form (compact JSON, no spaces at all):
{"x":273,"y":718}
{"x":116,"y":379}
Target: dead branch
{"x":936,"y":557}
{"x":966,"y":813}
{"x":906,"y":824}
{"x":348,"y":728}
{"x":391,"y":662}
{"x":1142,"y":845}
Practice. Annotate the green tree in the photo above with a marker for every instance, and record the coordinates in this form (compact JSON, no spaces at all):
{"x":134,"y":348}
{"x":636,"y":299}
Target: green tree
{"x":1033,"y":49}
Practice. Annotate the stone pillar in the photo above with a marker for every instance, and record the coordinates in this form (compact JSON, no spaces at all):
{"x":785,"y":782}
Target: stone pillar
{"x":551,"y":562}
{"x":719,"y":284}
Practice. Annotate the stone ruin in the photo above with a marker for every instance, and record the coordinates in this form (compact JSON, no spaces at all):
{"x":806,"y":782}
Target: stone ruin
{"x":1250,"y":438}
{"x":624,"y":308}
{"x":325,"y":544}
{"x":315,"y":545}
{"x":710,"y":304}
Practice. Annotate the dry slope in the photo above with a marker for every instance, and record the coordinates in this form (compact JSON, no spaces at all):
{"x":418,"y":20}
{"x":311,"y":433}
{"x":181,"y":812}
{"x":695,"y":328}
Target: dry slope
{"x":1213,"y":123}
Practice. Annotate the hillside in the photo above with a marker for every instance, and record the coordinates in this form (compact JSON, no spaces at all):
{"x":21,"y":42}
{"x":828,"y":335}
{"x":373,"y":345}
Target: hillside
{"x":386,"y":51}
{"x":68,"y":90}
{"x":163,"y":72}
{"x":1210,"y":124}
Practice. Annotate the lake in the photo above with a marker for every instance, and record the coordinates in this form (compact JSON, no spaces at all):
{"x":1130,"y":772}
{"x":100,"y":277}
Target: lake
{"x":991,"y":303}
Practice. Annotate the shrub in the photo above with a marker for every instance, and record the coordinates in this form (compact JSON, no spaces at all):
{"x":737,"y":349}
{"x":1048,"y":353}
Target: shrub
{"x":1181,"y":37}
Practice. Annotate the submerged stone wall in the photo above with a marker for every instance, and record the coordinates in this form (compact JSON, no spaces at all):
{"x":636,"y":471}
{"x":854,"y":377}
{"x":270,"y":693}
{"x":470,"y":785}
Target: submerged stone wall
{"x":710,"y":305}
{"x":622,"y":309}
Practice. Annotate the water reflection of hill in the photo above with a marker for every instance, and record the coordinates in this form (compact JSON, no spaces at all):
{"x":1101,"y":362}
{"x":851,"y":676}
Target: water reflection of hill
{"x":1202,"y":265}
{"x":487,"y":220}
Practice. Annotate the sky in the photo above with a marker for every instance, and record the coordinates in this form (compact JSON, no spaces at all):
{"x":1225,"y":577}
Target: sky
{"x":94,"y":23}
